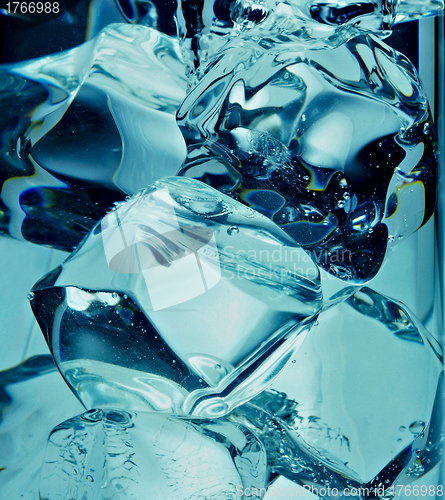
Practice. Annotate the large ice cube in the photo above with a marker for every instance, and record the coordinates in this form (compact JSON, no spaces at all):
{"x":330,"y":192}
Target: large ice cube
{"x":205,"y":26}
{"x":182,"y":300}
{"x":363,"y":391}
{"x":81,"y":129}
{"x":106,"y":454}
{"x":336,"y":146}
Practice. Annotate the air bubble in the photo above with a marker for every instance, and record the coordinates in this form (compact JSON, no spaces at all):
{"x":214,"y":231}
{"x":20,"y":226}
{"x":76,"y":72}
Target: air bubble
{"x":24,"y":145}
{"x":417,"y":427}
{"x":30,"y":296}
{"x":247,"y":14}
{"x":232,"y":230}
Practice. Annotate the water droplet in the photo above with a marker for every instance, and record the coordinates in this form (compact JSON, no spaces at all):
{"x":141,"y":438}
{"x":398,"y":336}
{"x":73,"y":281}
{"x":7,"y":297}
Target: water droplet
{"x":426,"y":128}
{"x":114,"y":295}
{"x":402,"y":428}
{"x":125,"y":296}
{"x":417,"y":427}
{"x":30,"y":296}
{"x":416,"y":470}
{"x":232,"y":230}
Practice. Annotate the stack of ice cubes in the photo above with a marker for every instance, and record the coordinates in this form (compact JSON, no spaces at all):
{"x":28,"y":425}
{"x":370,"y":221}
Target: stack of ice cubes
{"x":233,"y":315}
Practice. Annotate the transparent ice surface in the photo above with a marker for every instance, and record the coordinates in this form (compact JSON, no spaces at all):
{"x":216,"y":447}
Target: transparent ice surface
{"x":206,"y":26}
{"x":109,"y":102}
{"x":106,"y":454}
{"x":325,"y":395}
{"x":335,"y":146}
{"x":63,"y":203}
{"x":155,"y":308}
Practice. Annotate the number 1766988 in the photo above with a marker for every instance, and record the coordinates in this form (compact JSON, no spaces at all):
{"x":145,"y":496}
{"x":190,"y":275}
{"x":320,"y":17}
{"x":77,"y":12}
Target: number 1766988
{"x":33,"y":8}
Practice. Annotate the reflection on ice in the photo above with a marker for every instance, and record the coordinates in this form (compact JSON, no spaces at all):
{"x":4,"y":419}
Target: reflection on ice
{"x":335,"y":146}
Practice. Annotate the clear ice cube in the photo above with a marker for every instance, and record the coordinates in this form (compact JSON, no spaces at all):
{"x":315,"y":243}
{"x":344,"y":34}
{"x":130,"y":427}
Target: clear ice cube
{"x":104,"y":454}
{"x":82,"y":128}
{"x":181,"y":300}
{"x":364,"y":391}
{"x":336,"y":146}
{"x":205,"y":26}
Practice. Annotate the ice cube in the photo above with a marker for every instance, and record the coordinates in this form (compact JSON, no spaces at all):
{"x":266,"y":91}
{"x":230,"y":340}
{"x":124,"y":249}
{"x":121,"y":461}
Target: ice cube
{"x":116,"y":454}
{"x":336,"y":146}
{"x":363,"y":391}
{"x":88,"y":126}
{"x":181,"y":300}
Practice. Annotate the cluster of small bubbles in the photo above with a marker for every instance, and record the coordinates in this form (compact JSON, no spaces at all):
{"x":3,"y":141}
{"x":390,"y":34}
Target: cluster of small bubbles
{"x":416,"y":470}
{"x":232,"y":230}
{"x":30,"y":296}
{"x":341,"y":272}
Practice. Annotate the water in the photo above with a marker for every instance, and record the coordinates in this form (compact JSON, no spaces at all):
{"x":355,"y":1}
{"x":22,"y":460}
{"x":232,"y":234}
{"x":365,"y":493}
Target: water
{"x":220,"y":331}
